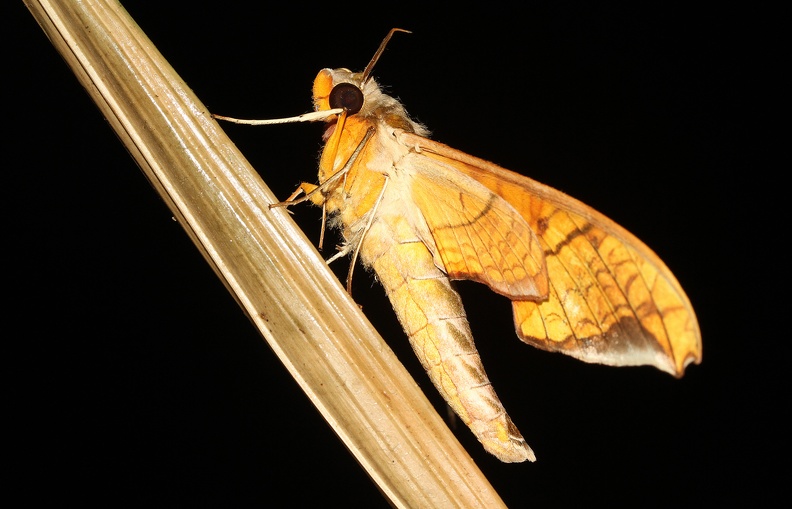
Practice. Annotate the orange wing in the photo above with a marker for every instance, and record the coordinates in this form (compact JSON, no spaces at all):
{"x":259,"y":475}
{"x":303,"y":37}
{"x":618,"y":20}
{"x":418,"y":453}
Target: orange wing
{"x":478,"y":235}
{"x":611,"y":300}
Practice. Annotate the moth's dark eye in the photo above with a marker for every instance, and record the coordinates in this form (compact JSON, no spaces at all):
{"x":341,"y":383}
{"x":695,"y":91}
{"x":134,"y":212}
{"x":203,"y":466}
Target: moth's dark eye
{"x":347,"y":96}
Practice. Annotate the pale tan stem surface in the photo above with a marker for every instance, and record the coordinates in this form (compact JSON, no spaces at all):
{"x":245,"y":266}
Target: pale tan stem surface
{"x":266,"y":262}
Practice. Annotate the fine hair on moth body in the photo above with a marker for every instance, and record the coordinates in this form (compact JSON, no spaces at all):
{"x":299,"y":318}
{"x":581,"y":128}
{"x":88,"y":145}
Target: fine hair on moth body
{"x":421,"y":214}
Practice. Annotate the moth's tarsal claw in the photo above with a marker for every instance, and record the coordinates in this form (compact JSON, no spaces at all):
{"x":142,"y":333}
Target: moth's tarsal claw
{"x":281,"y":204}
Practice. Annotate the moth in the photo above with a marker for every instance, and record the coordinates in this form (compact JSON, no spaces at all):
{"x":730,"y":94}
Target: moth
{"x":421,"y":214}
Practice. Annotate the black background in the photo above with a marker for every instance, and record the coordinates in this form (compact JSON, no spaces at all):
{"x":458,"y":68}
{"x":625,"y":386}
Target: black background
{"x":142,"y":383}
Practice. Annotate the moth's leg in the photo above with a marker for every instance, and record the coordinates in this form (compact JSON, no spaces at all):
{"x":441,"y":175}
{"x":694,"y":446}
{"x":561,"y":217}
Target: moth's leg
{"x":311,"y":193}
{"x":372,"y":215}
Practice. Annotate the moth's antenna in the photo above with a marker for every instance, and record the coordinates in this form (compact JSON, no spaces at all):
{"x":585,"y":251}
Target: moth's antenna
{"x":370,"y":66}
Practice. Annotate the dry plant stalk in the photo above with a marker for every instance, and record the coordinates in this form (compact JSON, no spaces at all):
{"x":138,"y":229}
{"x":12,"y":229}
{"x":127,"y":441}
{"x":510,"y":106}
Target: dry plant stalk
{"x":266,"y":262}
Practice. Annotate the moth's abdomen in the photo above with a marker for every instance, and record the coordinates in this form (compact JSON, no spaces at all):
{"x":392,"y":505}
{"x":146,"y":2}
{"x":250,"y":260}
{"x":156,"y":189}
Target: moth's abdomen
{"x":431,"y":313}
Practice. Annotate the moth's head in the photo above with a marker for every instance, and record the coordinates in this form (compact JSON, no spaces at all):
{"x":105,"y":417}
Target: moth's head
{"x":354,"y":92}
{"x":342,"y":88}
{"x":362,"y":98}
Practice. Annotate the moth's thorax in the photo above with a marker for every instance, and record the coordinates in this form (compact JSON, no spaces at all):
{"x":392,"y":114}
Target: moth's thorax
{"x":356,"y":194}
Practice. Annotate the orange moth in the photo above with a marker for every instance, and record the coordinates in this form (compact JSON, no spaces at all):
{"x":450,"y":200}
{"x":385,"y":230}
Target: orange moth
{"x":420,"y":214}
